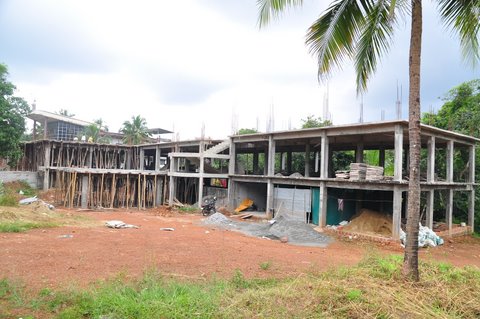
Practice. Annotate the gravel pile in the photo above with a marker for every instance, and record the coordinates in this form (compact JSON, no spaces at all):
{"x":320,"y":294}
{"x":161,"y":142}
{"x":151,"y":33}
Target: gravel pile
{"x":297,"y":233}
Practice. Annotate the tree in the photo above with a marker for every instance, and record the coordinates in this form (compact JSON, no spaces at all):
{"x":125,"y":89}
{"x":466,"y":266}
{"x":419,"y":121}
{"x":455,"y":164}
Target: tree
{"x":65,"y":112}
{"x":12,"y":119}
{"x":94,"y":131}
{"x":363,"y":30}
{"x":135,"y":131}
{"x":312,"y":121}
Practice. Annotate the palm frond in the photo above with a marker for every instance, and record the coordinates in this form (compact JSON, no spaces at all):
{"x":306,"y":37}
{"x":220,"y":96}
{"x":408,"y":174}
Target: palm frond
{"x":463,"y":17}
{"x":374,"y":41}
{"x":273,"y":8}
{"x":332,"y":36}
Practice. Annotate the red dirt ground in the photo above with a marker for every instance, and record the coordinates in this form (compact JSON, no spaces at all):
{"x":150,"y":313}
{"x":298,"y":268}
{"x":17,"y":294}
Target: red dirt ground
{"x":41,"y":258}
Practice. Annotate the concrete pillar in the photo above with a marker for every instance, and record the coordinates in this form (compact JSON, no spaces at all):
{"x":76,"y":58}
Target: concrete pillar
{"x":317,"y":162}
{"x":270,"y":191}
{"x":200,"y":173}
{"x":471,"y":164}
{"x":158,"y":155}
{"x":449,"y":213}
{"x":359,"y":153}
{"x":46,"y":176}
{"x":324,"y":153}
{"x":381,"y":157}
{"x":397,"y":212}
{"x":142,"y":159}
{"x":430,"y":202}
{"x":471,"y":208}
{"x":233,"y":158}
{"x":450,"y":161}
{"x":45,"y":129}
{"x":271,"y":156}
{"x":431,"y":160}
{"x":231,"y":194}
{"x":323,"y":198}
{"x":160,"y":186}
{"x":289,"y":162}
{"x":255,"y":163}
{"x":171,"y":181}
{"x":283,"y":157}
{"x":398,"y":153}
{"x":307,"y":160}
{"x":90,"y":157}
{"x":84,"y":202}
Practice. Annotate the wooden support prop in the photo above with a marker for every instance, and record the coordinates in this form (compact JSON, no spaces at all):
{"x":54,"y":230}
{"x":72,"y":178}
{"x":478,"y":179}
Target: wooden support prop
{"x":128,"y":189}
{"x":114,"y":188}
{"x":101,"y":190}
{"x":138,"y":191}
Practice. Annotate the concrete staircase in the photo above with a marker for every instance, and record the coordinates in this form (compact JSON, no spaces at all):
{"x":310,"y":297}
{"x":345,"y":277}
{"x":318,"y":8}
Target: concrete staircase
{"x":219,"y":147}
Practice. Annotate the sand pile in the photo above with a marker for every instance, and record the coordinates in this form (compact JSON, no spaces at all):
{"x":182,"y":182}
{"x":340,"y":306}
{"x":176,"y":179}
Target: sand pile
{"x":370,"y":221}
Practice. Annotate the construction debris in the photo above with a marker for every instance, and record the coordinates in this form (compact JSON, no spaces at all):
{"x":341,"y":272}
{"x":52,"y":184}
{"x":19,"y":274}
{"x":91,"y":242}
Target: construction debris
{"x":362,"y":171}
{"x":426,"y":237}
{"x":118,"y":224}
{"x":342,"y":174}
{"x":167,"y":229}
{"x":358,"y":171}
{"x":246,"y":203}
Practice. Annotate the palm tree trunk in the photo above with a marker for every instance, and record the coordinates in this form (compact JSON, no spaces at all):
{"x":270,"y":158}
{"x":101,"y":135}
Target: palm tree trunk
{"x":410,"y":263}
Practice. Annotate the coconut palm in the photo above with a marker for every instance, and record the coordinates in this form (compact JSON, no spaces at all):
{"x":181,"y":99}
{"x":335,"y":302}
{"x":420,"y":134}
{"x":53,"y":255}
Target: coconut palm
{"x":363,"y":30}
{"x":135,"y":131}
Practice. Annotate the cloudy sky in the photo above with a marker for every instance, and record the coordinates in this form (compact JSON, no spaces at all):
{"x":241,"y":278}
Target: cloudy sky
{"x":183,"y":63}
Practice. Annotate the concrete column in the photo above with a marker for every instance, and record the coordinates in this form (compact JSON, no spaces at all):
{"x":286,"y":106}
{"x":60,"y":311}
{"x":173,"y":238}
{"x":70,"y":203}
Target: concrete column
{"x":449,"y":213}
{"x":317,"y":162}
{"x":46,"y":176}
{"x":142,"y":159}
{"x":171,"y":181}
{"x":450,"y":161}
{"x":266,"y":163}
{"x":430,"y":202}
{"x":431,"y":160}
{"x":90,"y":157}
{"x":398,"y":153}
{"x":45,"y":129}
{"x":359,"y":153}
{"x":381,"y":157}
{"x":255,"y":163}
{"x":397,"y":212}
{"x":270,"y":191}
{"x":307,"y":160}
{"x":323,"y":198}
{"x":233,"y":158}
{"x":471,"y":208}
{"x":324,"y":156}
{"x":201,"y":172}
{"x":231,"y":194}
{"x":84,"y":202}
{"x":471,"y":164}
{"x":158,"y":154}
{"x":271,"y":156}
{"x":289,"y":162}
{"x":283,"y":157}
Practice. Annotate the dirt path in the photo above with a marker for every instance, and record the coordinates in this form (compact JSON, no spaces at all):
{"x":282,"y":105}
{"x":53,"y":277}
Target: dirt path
{"x":43,"y":258}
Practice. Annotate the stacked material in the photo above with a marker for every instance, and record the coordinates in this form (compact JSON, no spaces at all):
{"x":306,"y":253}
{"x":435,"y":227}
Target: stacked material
{"x":358,"y":171}
{"x":342,"y":174}
{"x":374,"y":173}
{"x":426,"y":237}
{"x":370,"y":222}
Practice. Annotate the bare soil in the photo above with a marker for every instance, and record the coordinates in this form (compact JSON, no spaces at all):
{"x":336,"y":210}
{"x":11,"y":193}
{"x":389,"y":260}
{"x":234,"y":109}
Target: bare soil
{"x":79,"y":255}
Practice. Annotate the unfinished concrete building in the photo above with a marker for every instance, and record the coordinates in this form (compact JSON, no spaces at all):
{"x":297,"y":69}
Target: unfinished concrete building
{"x":264,"y":168}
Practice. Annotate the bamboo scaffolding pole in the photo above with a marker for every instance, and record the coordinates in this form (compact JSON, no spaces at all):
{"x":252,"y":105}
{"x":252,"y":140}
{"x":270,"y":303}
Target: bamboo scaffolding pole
{"x":128,"y":189}
{"x":101,"y":190}
{"x":155,"y":191}
{"x":144,"y":191}
{"x":138,"y":191}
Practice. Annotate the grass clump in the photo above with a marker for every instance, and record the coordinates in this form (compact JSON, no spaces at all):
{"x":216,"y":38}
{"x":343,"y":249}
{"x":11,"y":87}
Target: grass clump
{"x":21,"y":226}
{"x":188,"y":209}
{"x":265,"y":265}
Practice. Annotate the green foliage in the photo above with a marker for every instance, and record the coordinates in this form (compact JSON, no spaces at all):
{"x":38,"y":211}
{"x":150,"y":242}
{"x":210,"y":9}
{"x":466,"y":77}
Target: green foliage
{"x":311,"y":121}
{"x":21,"y":226}
{"x":135,"y":131}
{"x":12,"y":119}
{"x":265,"y":265}
{"x":94,"y":131}
{"x":354,"y":294}
{"x":65,"y":112}
{"x":9,"y":200}
{"x":244,"y":131}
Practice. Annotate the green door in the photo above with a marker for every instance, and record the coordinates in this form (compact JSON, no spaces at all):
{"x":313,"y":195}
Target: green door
{"x":315,"y":205}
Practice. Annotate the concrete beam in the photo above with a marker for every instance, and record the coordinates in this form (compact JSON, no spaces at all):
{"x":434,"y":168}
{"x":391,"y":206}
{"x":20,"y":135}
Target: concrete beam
{"x":431,"y":160}
{"x":397,"y":212}
{"x":398,"y":163}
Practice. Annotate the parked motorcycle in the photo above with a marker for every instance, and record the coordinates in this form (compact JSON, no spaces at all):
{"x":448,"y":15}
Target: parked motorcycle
{"x":208,"y":206}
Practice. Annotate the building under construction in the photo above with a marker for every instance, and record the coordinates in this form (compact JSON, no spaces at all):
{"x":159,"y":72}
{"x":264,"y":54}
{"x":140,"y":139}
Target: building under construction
{"x":315,"y":175}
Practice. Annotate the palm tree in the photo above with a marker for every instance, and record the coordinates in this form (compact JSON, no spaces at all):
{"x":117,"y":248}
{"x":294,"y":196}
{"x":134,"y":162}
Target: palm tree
{"x":135,"y":132}
{"x":363,"y":30}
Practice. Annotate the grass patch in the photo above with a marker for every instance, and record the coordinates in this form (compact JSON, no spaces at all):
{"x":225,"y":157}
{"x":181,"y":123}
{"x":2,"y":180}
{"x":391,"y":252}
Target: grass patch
{"x":372,"y":289}
{"x":9,"y":200}
{"x":188,"y":209}
{"x":265,"y":265}
{"x":20,"y":226}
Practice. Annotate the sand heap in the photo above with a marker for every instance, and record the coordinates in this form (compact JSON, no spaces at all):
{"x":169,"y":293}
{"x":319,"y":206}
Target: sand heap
{"x":370,"y":221}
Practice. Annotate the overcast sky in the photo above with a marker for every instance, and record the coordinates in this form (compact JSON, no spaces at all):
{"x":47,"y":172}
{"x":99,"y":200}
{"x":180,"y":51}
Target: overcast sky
{"x":183,"y":63}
